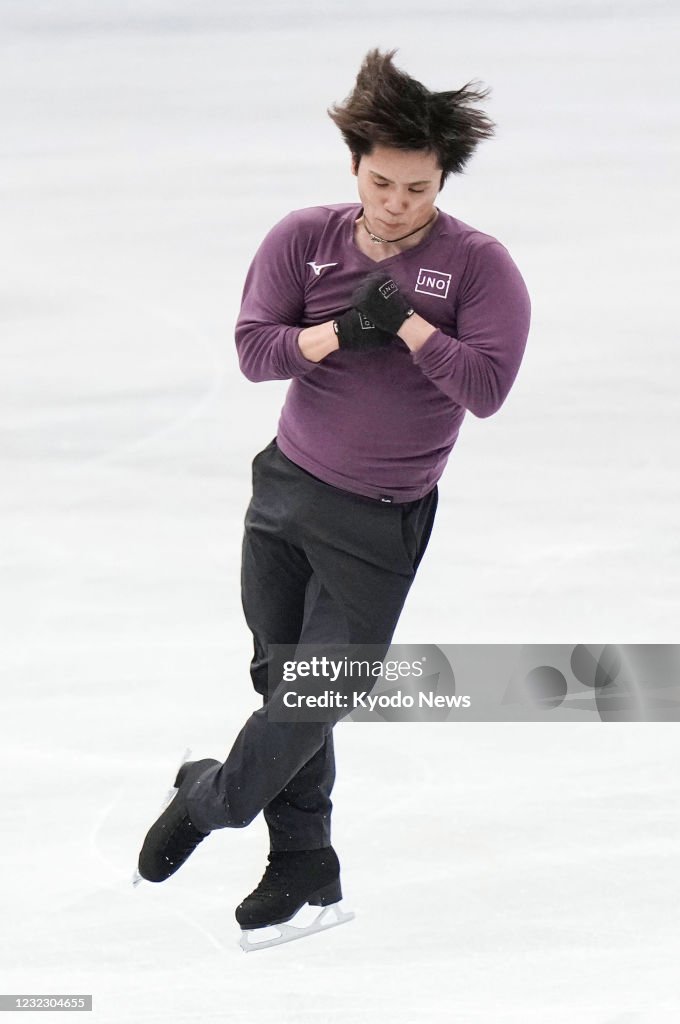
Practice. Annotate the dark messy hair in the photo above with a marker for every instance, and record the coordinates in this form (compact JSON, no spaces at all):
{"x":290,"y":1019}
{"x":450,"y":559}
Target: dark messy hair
{"x":389,"y":108}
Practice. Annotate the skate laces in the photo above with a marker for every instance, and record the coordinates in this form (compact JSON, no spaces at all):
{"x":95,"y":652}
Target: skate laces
{"x":287,"y":868}
{"x":278,"y":873}
{"x":270,"y":882}
{"x":186,"y":838}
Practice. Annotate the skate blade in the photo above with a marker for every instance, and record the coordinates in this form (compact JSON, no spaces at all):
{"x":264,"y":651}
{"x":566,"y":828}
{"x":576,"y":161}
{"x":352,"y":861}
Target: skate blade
{"x":290,"y":932}
{"x":170,"y":796}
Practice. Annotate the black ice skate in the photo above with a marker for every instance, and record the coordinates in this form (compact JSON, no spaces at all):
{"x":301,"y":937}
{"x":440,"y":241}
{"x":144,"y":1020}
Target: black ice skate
{"x":173,"y":837}
{"x":292,"y":879}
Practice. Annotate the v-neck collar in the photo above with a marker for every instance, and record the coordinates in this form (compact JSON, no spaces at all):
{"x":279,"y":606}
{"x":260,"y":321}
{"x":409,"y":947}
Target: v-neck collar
{"x":357,"y":211}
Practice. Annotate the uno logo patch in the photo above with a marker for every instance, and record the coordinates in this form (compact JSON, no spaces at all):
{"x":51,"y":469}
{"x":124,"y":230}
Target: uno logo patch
{"x":433,"y":282}
{"x":365,"y":323}
{"x":387,"y":289}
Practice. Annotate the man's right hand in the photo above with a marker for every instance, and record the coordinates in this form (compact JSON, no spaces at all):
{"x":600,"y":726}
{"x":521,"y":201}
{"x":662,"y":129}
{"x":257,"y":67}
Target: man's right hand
{"x":356,"y":333}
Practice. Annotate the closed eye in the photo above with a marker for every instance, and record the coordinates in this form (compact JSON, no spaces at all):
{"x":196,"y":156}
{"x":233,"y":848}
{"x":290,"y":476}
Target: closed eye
{"x":384,"y":184}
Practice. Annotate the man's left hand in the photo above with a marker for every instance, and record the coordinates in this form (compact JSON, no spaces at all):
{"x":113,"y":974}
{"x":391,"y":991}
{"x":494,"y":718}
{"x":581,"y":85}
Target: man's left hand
{"x":378,"y":297}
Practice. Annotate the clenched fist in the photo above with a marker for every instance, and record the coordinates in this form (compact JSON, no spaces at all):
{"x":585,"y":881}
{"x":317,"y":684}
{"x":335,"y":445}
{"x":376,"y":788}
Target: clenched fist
{"x":378,"y":297}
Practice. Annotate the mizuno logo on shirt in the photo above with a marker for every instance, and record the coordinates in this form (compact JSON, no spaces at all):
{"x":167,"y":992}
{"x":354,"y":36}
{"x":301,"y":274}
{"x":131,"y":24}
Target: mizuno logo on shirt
{"x":318,"y":267}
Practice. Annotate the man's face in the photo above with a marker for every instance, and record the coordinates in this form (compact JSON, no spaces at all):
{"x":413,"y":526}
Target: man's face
{"x":397,"y":189}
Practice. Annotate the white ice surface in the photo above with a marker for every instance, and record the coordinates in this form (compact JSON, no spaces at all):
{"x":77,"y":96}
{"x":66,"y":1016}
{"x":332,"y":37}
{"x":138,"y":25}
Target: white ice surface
{"x":501,"y":873}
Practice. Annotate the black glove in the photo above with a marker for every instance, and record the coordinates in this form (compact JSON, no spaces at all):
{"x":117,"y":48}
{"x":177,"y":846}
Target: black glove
{"x":356,"y":333}
{"x":379,"y":298}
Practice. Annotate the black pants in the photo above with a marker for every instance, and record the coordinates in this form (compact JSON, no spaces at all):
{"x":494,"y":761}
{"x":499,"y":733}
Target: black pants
{"x":320,"y":566}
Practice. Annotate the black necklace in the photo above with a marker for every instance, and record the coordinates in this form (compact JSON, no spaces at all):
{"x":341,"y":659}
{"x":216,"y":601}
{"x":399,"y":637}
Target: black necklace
{"x":388,"y":241}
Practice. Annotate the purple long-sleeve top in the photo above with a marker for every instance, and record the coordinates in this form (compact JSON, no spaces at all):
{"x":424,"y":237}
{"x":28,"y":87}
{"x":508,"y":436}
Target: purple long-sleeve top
{"x":382,"y":423}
